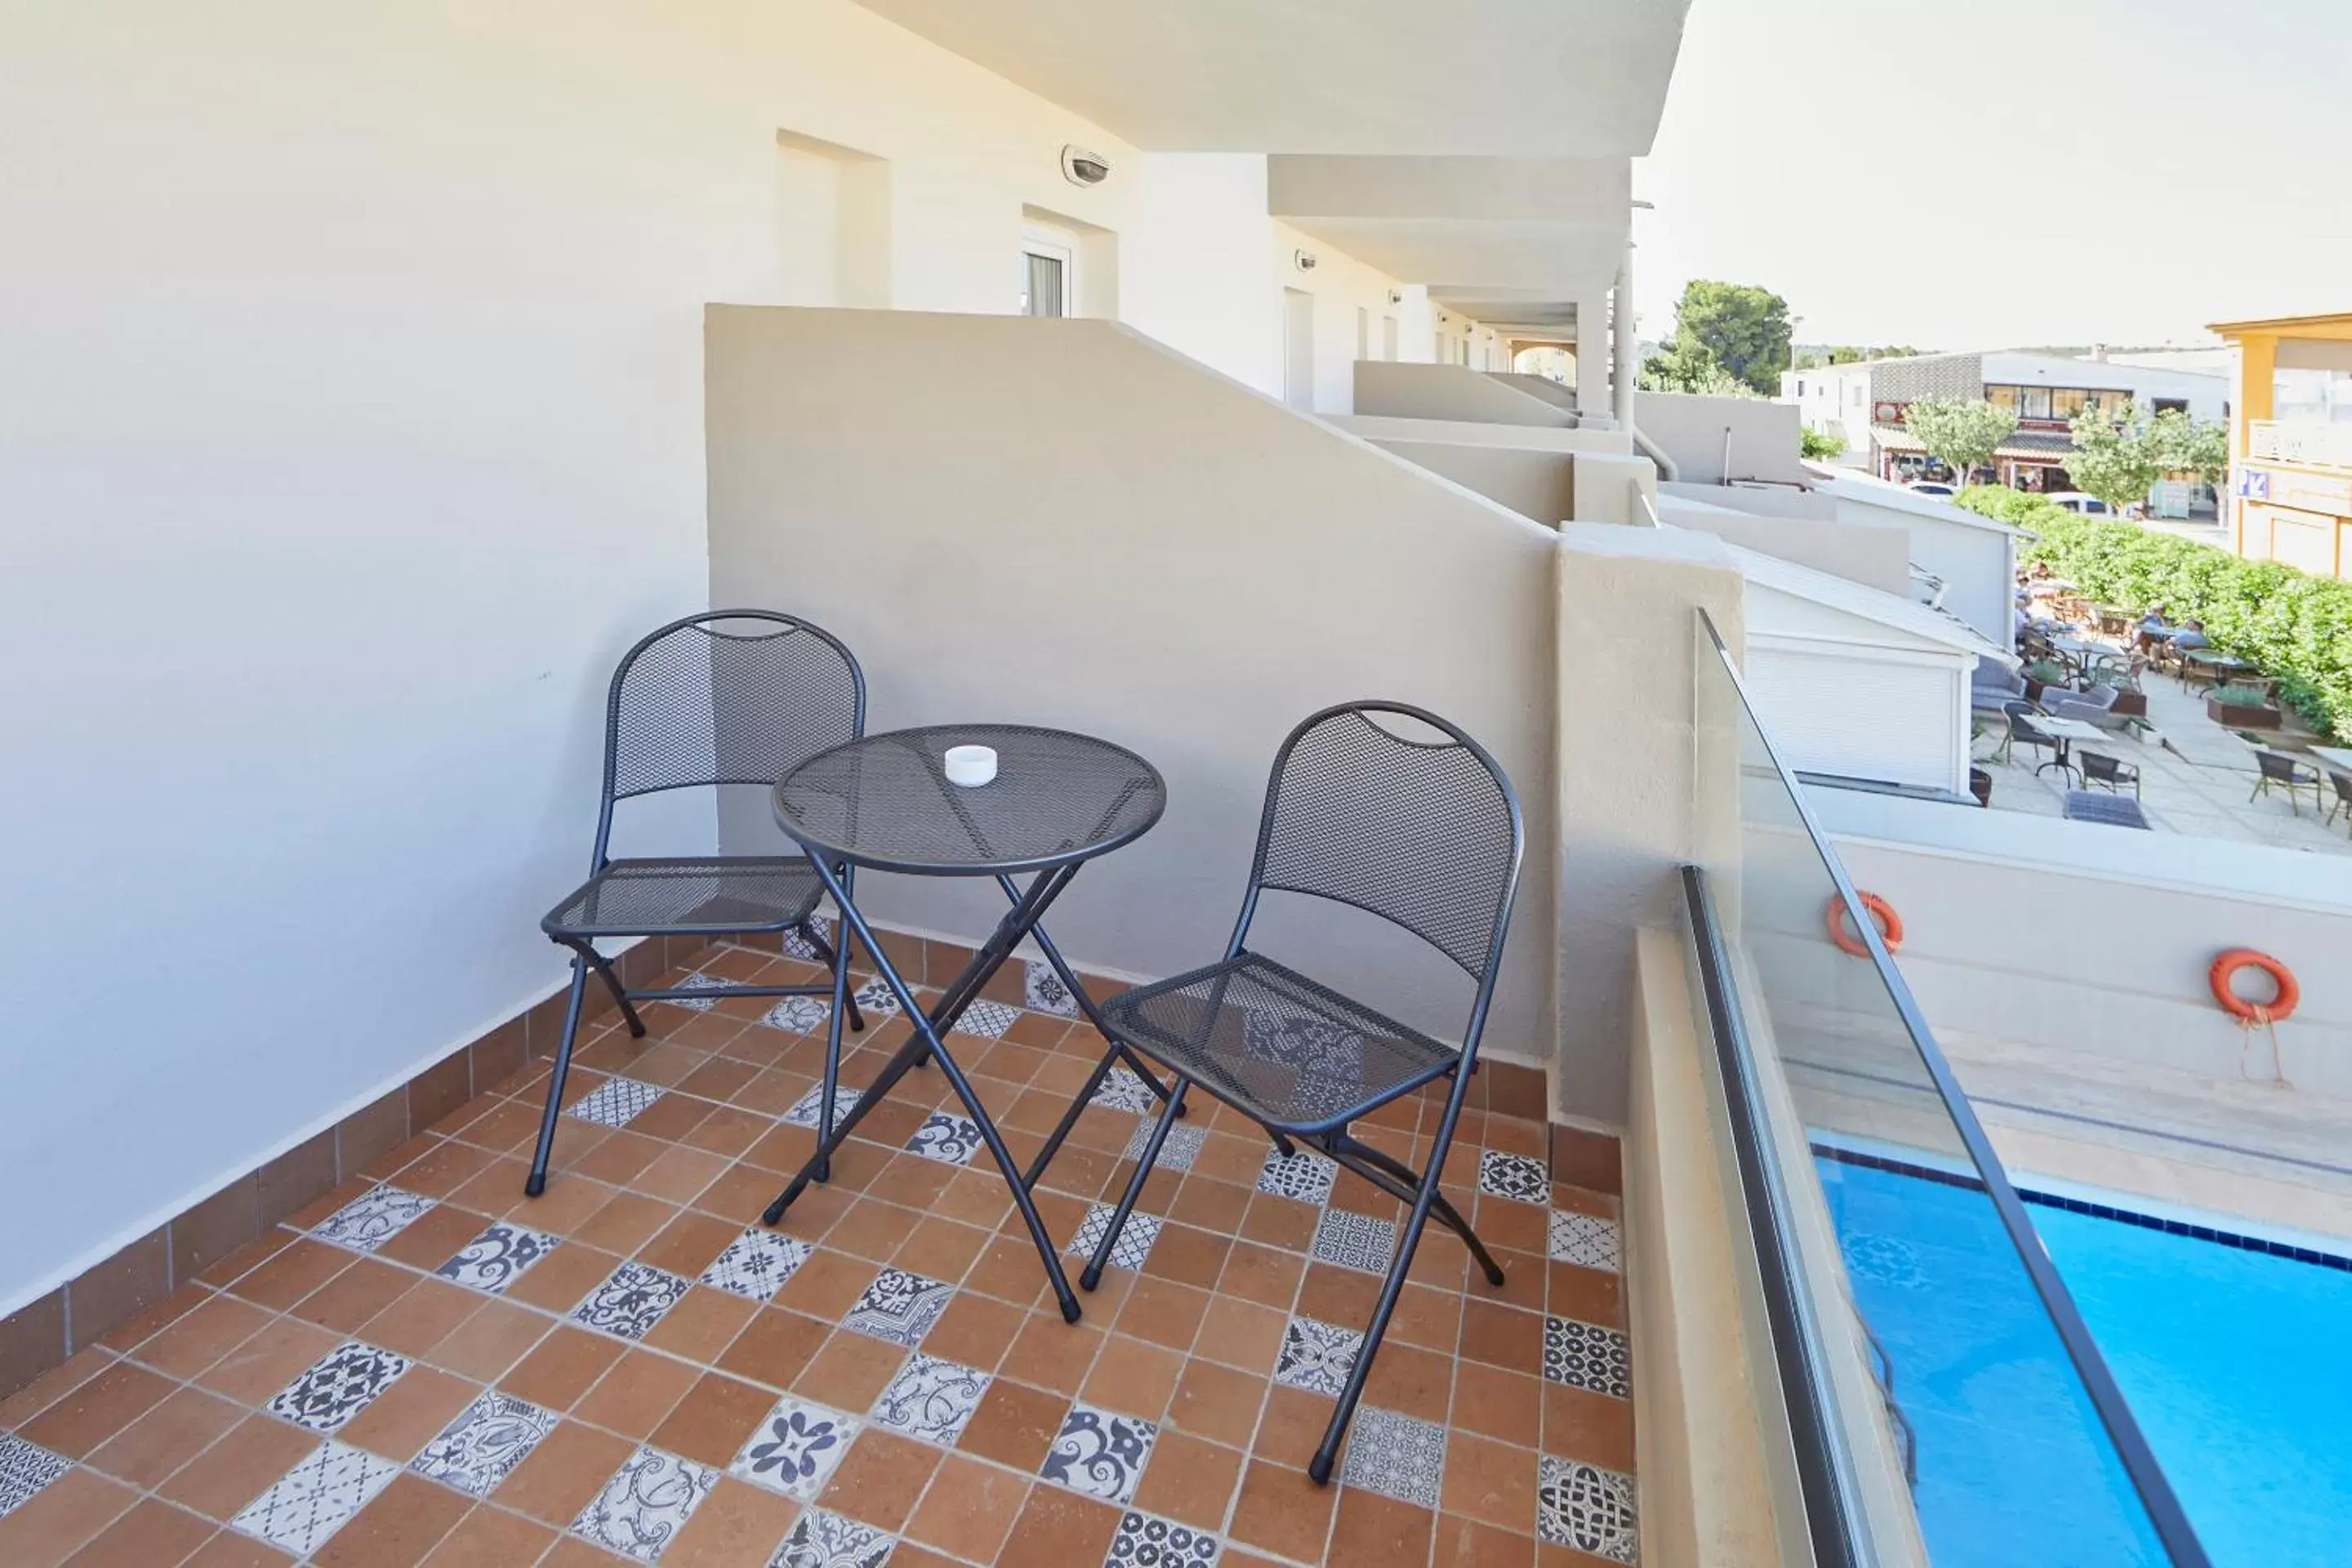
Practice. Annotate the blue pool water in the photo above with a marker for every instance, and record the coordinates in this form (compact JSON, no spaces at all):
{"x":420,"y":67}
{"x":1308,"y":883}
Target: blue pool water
{"x":2237,"y":1363}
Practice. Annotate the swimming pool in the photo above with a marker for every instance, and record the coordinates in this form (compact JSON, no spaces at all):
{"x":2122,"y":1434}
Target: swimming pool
{"x":2237,"y":1363}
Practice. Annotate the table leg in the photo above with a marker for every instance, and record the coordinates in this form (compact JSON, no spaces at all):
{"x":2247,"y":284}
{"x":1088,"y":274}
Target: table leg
{"x":929,"y":1043}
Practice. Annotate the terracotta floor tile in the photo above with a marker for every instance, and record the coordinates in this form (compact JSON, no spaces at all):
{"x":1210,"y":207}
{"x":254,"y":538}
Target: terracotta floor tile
{"x":1503,"y":1223}
{"x":738,"y":1526}
{"x":970,"y":1509}
{"x":1589,"y":1295}
{"x":66,"y":1513}
{"x":827,"y":1285}
{"x":76,"y":1424}
{"x":627,"y":1221}
{"x":881,"y":1478}
{"x":689,"y":1244}
{"x":1415,"y":1381}
{"x":1262,"y":1274}
{"x":239,"y":1467}
{"x":184,"y":1424}
{"x":850,"y":1371}
{"x":562,"y":1368}
{"x":942,"y":1250}
{"x":416,"y":1322}
{"x":1580,"y":1425}
{"x":711,"y":1422}
{"x":872,"y":1230}
{"x":618,"y":1158}
{"x":293,"y":1273}
{"x":53,"y":1386}
{"x":355,"y":1296}
{"x":569,"y":1202}
{"x":1504,"y":1406}
{"x":400,"y":1421}
{"x":1215,"y":1206}
{"x":729,"y":1129}
{"x":1163,"y":1312}
{"x":1188,"y":1256}
{"x":1502,"y":1336}
{"x":1241,"y":1335}
{"x":1060,"y":1528}
{"x":1339,"y":1296}
{"x":775,"y":1347}
{"x":1489,"y":1481}
{"x":1291,"y":1427}
{"x":1133,"y":1377}
{"x":636,"y":1394}
{"x":1015,"y":1425}
{"x":1285,"y":1513}
{"x":1050,"y":1354}
{"x":434,"y":1238}
{"x":246,"y":1258}
{"x":406,"y":1521}
{"x":1429,"y":1318}
{"x":1374,"y":1528}
{"x":228,"y":1549}
{"x":1279,"y":1222}
{"x":485,"y":1345}
{"x":1523,"y":1279}
{"x":975,"y":1330}
{"x":568,"y":1468}
{"x":1190,"y":1481}
{"x":1466,"y":1543}
{"x":487,"y":1538}
{"x":702,"y":1325}
{"x":146,"y":1325}
{"x":559,"y":1280}
{"x":1217,"y":1403}
{"x":151,"y":1533}
{"x":1009,"y":1270}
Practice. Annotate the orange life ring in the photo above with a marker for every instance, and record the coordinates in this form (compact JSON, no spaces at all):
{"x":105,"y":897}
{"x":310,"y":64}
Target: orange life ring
{"x":2277,"y":1009}
{"x":1890,"y":925}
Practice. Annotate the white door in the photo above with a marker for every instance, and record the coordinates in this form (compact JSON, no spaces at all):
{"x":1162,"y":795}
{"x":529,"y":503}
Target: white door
{"x":1363,"y":334}
{"x":1298,"y":348}
{"x":1389,"y":338}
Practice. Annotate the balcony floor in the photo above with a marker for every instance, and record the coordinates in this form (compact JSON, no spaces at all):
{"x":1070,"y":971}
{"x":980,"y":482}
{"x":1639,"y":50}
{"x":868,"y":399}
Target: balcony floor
{"x":197,"y":1429}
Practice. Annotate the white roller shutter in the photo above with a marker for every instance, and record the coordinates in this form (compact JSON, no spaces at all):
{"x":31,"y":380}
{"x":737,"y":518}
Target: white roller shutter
{"x":1863,"y":716}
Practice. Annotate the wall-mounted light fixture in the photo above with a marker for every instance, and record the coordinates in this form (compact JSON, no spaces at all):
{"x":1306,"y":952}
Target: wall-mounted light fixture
{"x":1302,"y":260}
{"x":1081,"y":167}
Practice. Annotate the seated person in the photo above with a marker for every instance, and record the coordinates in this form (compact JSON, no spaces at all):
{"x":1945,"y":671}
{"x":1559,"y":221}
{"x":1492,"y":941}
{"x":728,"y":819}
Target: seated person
{"x":2156,"y":627}
{"x":2191,"y":636}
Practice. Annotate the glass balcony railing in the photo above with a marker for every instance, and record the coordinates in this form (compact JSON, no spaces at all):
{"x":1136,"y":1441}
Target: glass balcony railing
{"x":2311,"y":442}
{"x":1944,"y":1400}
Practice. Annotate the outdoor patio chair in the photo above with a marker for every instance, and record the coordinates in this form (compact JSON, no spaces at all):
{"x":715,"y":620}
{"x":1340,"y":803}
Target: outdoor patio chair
{"x":2095,"y":706}
{"x":2022,"y":730}
{"x":1993,"y":684}
{"x":727,"y":697}
{"x":2100,"y":769}
{"x":2273,"y":768}
{"x":2343,"y":805}
{"x":1396,"y":812}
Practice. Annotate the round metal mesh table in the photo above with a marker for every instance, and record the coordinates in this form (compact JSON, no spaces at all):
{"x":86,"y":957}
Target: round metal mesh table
{"x":885,"y":802}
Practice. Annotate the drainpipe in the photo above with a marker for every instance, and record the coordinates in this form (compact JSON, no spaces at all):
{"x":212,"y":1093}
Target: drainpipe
{"x":1622,"y":369}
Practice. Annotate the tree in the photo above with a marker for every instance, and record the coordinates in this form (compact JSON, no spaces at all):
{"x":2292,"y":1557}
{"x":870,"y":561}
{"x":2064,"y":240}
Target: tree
{"x":2187,"y":445}
{"x":2118,"y":461}
{"x":1821,"y":446}
{"x":1695,"y":372}
{"x":1959,"y":433}
{"x":1739,"y":327}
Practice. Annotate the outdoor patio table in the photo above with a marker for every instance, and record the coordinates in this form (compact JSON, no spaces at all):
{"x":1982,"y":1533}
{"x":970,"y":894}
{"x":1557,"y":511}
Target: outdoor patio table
{"x":2065,"y":732}
{"x":1057,"y":800}
{"x":2336,"y":757}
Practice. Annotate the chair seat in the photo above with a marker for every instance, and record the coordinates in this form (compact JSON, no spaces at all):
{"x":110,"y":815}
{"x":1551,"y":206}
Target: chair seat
{"x":1294,"y":1055}
{"x":718,"y":894}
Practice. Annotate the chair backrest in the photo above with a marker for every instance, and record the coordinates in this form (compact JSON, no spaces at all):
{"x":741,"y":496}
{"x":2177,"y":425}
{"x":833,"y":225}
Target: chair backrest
{"x":2021,"y":722}
{"x":2283,"y":769}
{"x":726,"y":697}
{"x":2098,"y":766}
{"x":1425,"y":833}
{"x":2342,"y":787}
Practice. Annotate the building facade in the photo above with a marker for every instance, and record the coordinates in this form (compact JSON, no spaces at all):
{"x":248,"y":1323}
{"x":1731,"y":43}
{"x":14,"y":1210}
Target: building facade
{"x":2290,"y":444}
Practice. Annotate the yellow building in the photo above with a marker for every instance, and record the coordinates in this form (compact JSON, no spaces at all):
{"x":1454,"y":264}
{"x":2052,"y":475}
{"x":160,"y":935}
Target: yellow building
{"x":2290,"y":441}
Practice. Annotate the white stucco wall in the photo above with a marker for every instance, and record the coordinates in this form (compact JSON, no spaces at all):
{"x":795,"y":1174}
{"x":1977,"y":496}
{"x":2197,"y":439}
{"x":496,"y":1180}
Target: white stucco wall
{"x":353,"y":393}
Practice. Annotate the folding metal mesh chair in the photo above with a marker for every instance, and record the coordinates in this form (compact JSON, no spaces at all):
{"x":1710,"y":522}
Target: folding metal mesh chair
{"x":727,"y":697}
{"x":1423,"y":833}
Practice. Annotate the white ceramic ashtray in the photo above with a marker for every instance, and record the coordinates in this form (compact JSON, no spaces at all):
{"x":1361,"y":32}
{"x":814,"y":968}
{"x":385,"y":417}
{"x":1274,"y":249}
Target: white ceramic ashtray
{"x":970,"y":765}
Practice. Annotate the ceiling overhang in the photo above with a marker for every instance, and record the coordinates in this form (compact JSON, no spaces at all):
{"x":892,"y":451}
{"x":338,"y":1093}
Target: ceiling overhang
{"x":1477,"y":78}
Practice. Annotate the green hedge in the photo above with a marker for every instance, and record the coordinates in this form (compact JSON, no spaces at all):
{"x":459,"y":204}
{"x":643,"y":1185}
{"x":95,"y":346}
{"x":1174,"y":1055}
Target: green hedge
{"x":2292,"y":625}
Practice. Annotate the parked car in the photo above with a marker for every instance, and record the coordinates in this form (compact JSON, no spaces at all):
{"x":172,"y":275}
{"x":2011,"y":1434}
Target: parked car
{"x":1932,"y":488}
{"x":2076,"y":501}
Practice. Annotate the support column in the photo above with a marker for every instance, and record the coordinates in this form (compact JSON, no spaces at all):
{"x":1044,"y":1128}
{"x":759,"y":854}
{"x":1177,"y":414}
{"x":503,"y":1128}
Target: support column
{"x":1627,"y":350}
{"x":1592,"y":356}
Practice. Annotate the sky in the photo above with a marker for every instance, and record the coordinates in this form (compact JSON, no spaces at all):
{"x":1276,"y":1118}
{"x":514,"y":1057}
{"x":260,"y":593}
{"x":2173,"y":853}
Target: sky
{"x":1975,"y":174}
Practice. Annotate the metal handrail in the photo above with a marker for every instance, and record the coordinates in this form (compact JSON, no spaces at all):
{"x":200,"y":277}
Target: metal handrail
{"x":2162,"y":1505}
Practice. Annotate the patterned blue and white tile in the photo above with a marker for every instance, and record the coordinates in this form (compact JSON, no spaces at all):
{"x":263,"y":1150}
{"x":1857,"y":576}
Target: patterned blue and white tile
{"x":1043,"y":989}
{"x":757,"y":1263}
{"x":26,"y":1471}
{"x":987,"y":1020}
{"x":1100,"y":1453}
{"x":372,"y":1218}
{"x":798,"y":1014}
{"x":931,"y":1399}
{"x":823,"y":1539}
{"x":899,"y":1307}
{"x":1351,"y":1240}
{"x":697,"y":982}
{"x":648,"y":1500}
{"x":1589,"y":1356}
{"x":1305,"y":1176}
{"x":631,"y":1300}
{"x":951,"y":1139}
{"x":616,"y":1102}
{"x":1395,"y":1454}
{"x":309,"y":1502}
{"x":1147,"y":1540}
{"x":877,"y":1001}
{"x":1586,"y":1240}
{"x":495,"y":1259}
{"x":338,"y":1386}
{"x":796,"y":943}
{"x":1514,"y":1176}
{"x":482,"y":1447}
{"x":1317,"y":1356}
{"x":1120,"y":1089}
{"x":803,"y":1112}
{"x":1586,"y":1509}
{"x":795,"y":1449}
{"x":1181,"y":1148}
{"x":1135,"y":1239}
